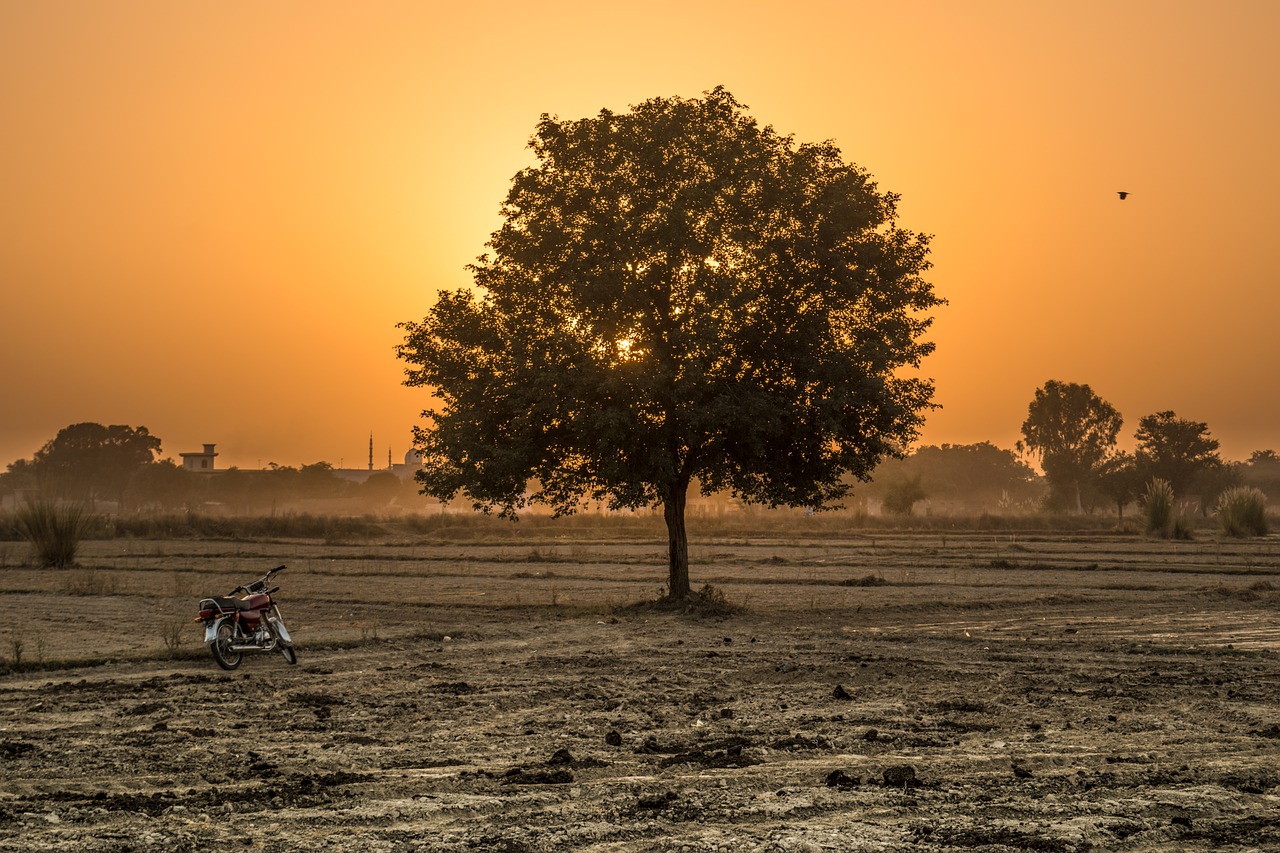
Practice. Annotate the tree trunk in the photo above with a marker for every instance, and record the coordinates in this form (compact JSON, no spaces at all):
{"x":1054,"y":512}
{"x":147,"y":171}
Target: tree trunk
{"x":677,"y":542}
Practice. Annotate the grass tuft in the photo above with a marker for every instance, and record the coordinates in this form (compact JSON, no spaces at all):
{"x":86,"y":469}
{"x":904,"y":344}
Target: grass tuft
{"x":1158,"y":513}
{"x":53,"y":530}
{"x":1242,"y":511}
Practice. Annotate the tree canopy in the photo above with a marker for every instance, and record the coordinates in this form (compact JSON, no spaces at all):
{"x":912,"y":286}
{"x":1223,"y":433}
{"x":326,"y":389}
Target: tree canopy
{"x":1072,"y":430}
{"x":1180,"y":452}
{"x":1263,"y":472}
{"x":89,"y":461}
{"x":676,"y":294}
{"x":981,"y":476}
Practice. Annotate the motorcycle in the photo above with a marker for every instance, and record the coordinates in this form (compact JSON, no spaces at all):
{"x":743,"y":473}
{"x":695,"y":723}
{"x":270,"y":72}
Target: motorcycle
{"x":251,"y":623}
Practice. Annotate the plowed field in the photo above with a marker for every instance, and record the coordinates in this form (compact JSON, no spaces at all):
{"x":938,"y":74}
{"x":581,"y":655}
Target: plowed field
{"x":890,"y":691}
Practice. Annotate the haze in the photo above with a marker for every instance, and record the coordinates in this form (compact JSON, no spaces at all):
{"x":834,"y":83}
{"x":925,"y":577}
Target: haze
{"x":214,"y":215}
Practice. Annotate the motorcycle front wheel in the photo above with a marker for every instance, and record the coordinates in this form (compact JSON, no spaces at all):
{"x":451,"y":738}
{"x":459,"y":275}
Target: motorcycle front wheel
{"x":289,"y":654}
{"x":221,"y":646}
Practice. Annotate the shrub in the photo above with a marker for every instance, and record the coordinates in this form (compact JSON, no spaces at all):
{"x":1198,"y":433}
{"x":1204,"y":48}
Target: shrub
{"x":1242,"y":512}
{"x":1182,"y":528}
{"x":902,"y":495}
{"x":54,"y":531}
{"x":1158,"y":512}
{"x":1157,"y":507}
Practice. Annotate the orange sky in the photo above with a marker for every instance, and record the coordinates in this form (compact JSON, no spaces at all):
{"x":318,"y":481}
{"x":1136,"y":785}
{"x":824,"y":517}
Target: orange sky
{"x":212,"y":215}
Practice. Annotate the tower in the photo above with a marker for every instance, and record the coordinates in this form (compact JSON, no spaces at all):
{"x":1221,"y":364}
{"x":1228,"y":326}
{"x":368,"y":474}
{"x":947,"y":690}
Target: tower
{"x":370,"y":451}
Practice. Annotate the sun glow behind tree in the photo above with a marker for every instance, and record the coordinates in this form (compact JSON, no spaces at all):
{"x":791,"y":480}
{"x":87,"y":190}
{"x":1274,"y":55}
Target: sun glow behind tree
{"x":677,"y":295}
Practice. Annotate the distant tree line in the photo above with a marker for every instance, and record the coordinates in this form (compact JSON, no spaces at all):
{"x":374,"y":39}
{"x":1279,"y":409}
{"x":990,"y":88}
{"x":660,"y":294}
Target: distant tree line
{"x":119,"y":467}
{"x":1069,"y":429}
{"x":1074,"y":432}
{"x":958,"y":477}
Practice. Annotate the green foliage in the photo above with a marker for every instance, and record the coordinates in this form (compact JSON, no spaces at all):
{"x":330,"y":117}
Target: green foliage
{"x":1262,"y":471}
{"x":1242,"y":511}
{"x":1178,"y":451}
{"x":1072,"y":430}
{"x":977,"y":476}
{"x":900,"y":496}
{"x":1120,"y":479}
{"x":53,"y":530}
{"x":88,"y":461}
{"x":164,"y":485}
{"x":676,"y":294}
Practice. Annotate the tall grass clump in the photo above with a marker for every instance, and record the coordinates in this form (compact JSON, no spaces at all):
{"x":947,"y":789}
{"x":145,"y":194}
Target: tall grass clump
{"x":1157,"y":507}
{"x":1242,"y":511}
{"x":1159,"y":515}
{"x":54,"y":531}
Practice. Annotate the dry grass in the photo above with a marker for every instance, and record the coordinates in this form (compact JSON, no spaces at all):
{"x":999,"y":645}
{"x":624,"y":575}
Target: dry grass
{"x":396,"y":586}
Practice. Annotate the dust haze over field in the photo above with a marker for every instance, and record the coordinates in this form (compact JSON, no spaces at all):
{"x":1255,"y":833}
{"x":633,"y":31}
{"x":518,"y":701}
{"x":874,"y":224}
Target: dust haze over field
{"x":501,"y":688}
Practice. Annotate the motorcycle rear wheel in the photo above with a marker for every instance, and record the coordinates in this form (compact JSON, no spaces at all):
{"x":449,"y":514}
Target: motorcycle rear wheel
{"x":221,"y":647}
{"x":290,"y":655}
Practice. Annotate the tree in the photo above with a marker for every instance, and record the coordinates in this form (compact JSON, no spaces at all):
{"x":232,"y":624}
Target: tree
{"x":981,"y":475}
{"x":318,"y":480}
{"x":1182,"y":453}
{"x":676,"y":294}
{"x":1120,"y":478}
{"x":19,"y":476}
{"x":162,"y":485}
{"x":901,"y":496}
{"x":381,"y":489}
{"x":88,"y":461}
{"x":1072,"y":430}
{"x":1262,"y":471}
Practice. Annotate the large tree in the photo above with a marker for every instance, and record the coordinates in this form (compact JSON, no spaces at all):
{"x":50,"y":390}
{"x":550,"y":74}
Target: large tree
{"x":677,"y":294}
{"x":1181,"y":452}
{"x":1072,"y":430}
{"x":89,"y":461}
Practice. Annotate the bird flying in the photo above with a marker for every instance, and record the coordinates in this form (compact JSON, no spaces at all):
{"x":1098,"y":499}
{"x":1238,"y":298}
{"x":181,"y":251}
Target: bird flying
{"x":1123,"y":195}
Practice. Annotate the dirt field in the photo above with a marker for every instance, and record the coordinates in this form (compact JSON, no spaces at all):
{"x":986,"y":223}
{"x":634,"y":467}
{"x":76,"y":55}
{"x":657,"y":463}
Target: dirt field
{"x":959,"y":691}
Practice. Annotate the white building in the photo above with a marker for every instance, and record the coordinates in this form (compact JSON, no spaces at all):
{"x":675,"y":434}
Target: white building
{"x":202,"y":461}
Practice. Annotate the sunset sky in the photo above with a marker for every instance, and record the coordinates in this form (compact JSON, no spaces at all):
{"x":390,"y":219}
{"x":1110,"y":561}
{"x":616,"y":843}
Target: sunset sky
{"x":213,"y":214}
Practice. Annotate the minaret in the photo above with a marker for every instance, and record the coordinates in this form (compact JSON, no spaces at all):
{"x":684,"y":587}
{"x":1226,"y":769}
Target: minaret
{"x":370,"y":451}
{"x":389,"y":465}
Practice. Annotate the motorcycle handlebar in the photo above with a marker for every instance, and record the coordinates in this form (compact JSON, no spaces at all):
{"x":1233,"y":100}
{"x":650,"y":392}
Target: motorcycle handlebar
{"x":260,"y":583}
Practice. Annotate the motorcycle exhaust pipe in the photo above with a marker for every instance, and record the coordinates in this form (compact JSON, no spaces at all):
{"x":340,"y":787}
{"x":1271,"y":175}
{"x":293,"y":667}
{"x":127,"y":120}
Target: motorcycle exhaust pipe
{"x":253,"y":647}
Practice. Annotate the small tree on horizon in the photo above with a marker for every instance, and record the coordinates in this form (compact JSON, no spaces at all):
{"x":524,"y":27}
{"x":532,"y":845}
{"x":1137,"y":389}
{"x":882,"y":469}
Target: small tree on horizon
{"x":1072,"y":430}
{"x":901,"y":496}
{"x":1120,"y":479}
{"x":676,"y":295}
{"x":1262,"y":471}
{"x":1182,"y":453}
{"x":87,"y":462}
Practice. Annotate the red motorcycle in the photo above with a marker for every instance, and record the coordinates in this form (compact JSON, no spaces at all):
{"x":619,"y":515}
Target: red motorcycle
{"x":251,"y":623}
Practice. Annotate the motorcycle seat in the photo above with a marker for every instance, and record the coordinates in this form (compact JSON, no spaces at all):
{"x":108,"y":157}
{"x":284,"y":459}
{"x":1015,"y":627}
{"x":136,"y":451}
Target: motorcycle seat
{"x":229,"y":603}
